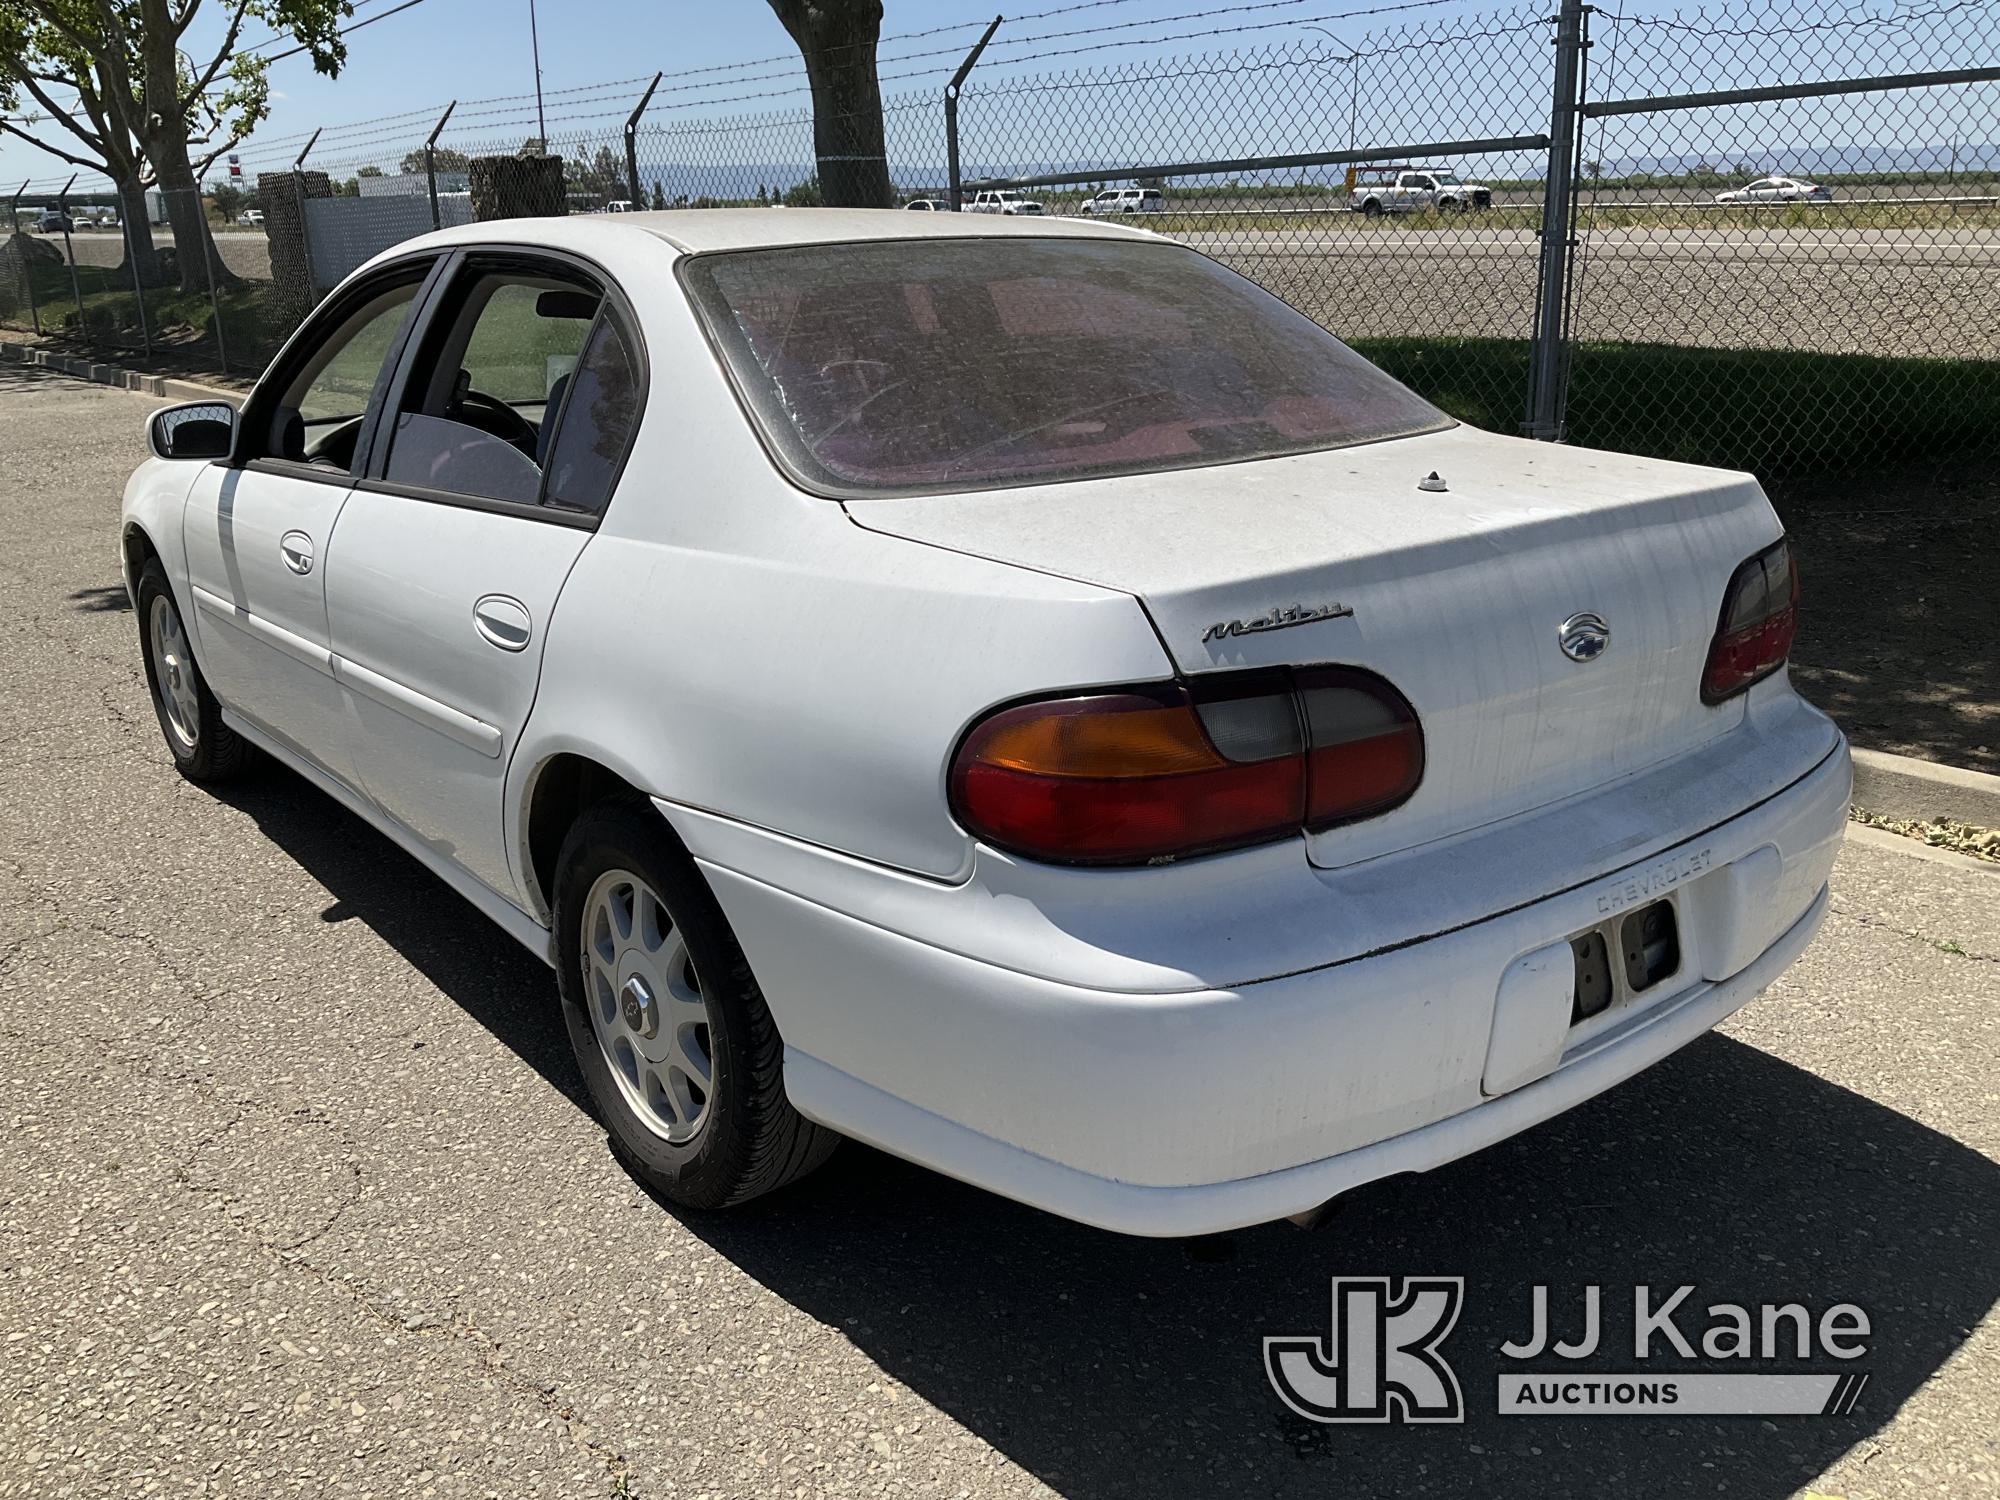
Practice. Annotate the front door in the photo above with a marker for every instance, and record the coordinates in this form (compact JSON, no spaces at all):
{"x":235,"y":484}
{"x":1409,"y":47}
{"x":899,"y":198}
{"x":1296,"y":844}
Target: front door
{"x":449,"y":557}
{"x":257,"y":533}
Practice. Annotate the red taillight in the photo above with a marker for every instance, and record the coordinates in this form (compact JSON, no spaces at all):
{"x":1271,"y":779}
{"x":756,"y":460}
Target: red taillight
{"x":1760,"y":617}
{"x":1367,"y":750}
{"x":1154,"y":773}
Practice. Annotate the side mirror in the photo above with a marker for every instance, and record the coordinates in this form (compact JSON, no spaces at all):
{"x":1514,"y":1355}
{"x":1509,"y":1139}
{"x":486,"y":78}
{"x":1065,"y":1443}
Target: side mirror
{"x":195,"y":429}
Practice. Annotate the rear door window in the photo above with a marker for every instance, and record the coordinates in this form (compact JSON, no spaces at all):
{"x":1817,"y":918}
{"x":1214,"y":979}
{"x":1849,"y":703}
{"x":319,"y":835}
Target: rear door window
{"x":599,"y":413}
{"x":910,"y":366}
{"x":478,"y":410}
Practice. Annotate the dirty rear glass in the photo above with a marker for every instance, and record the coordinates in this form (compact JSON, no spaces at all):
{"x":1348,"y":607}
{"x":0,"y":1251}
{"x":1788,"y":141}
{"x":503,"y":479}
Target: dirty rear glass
{"x":925,"y":365}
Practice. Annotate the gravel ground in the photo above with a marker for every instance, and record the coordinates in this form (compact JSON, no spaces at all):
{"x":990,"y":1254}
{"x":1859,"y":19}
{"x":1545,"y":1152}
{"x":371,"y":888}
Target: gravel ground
{"x":298,"y":1195}
{"x":1773,"y":292}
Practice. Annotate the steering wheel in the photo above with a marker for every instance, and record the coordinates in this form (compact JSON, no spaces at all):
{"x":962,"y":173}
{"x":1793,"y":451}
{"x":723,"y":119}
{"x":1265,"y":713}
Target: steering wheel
{"x":490,"y":414}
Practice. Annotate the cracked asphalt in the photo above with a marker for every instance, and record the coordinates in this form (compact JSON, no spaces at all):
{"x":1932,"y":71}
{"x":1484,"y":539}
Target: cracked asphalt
{"x":299,"y":1194}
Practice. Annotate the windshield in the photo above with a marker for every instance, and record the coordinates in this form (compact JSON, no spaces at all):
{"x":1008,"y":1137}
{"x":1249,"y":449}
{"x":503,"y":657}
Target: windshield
{"x":925,"y":365}
{"x":1445,"y":179}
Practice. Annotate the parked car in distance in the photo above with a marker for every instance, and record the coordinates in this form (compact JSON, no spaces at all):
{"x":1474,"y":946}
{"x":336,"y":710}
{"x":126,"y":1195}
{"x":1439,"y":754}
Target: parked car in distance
{"x":928,"y":206}
{"x":1125,"y":201}
{"x":1017,"y":694}
{"x":1002,"y":201}
{"x":250,"y":218}
{"x":1410,"y":191}
{"x":1777,"y":190}
{"x":619,"y":206}
{"x":53,"y":221}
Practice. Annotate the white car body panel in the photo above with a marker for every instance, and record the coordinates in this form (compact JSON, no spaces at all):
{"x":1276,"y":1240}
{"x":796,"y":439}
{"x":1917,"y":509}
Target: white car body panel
{"x":1161,"y":1050}
{"x":1526,"y":536}
{"x":260,"y":627}
{"x":1174,"y":1113}
{"x":435,"y":706}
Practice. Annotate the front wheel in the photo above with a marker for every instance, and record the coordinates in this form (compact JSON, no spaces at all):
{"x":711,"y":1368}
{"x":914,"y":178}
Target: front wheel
{"x":666,"y":1020}
{"x":205,"y":749}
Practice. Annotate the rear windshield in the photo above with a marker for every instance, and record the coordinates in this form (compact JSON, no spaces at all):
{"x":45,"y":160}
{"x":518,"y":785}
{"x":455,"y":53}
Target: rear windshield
{"x":926,"y":365}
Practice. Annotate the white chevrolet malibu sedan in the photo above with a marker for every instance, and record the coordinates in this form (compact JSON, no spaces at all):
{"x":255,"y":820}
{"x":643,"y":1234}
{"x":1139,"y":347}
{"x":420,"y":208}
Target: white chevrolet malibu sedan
{"x":1010,"y":691}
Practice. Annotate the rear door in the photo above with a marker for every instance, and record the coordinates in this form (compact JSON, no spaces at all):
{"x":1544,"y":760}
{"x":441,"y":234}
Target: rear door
{"x":256,"y":533}
{"x":505,"y":431}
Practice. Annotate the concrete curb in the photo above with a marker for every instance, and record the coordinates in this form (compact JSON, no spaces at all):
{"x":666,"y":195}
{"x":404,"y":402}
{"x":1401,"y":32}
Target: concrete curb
{"x":1902,"y":843}
{"x":103,"y":374}
{"x":1898,"y":786}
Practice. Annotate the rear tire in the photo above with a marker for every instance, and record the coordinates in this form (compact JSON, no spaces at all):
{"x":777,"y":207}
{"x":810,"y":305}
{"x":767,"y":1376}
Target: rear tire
{"x":667,"y":1022}
{"x":205,"y":750}
{"x":1371,"y":209}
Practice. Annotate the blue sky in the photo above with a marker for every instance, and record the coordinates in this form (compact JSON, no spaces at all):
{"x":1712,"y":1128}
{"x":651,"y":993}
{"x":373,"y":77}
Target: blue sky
{"x":480,"y":48}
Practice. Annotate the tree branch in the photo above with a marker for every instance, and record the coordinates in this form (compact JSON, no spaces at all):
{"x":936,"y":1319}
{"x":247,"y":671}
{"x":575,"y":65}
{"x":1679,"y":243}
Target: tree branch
{"x":222,"y":55}
{"x":204,"y":163}
{"x":52,"y":13}
{"x":41,"y":145}
{"x":56,"y":112}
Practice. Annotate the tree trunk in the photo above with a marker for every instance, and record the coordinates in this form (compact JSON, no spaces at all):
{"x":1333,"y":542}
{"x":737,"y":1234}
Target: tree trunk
{"x":195,"y":257}
{"x":837,"y":40}
{"x":137,"y":220}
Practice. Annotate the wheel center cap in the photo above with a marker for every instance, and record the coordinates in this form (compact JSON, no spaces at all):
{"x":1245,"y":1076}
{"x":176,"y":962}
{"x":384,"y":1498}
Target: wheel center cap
{"x":642,"y":1015}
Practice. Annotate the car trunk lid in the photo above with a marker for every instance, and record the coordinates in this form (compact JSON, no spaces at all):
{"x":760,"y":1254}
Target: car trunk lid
{"x":1456,"y":594}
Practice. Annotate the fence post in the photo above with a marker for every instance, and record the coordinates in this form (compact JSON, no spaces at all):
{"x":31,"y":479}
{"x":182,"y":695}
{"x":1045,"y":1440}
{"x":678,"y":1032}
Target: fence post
{"x":951,"y":110}
{"x":1548,"y":361}
{"x":210,"y":253}
{"x":430,"y":163}
{"x":27,"y":261}
{"x":69,"y":254}
{"x":639,"y":199}
{"x":138,"y":285}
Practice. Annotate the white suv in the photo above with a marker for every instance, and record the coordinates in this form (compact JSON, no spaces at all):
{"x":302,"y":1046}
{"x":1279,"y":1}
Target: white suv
{"x":1002,"y":201}
{"x":1125,"y":201}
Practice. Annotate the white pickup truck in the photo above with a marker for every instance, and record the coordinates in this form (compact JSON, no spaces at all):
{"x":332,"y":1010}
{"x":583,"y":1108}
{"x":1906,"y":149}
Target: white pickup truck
{"x":1418,"y":190}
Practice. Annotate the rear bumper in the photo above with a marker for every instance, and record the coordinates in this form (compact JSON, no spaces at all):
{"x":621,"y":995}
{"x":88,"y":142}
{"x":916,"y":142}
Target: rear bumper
{"x":867,"y":1113}
{"x":1198,"y":1109}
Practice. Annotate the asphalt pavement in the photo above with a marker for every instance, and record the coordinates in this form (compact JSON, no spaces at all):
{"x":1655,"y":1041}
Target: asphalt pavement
{"x":299,"y":1194}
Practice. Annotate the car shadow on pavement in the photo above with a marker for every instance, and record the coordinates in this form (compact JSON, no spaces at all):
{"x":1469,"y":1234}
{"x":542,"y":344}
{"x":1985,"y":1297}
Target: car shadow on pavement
{"x":493,"y":979}
{"x":107,"y":599}
{"x":1111,"y":1366}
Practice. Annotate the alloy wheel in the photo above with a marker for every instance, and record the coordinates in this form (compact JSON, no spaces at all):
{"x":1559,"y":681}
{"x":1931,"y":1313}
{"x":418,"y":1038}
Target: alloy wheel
{"x":646,"y":1006}
{"x":173,"y":664}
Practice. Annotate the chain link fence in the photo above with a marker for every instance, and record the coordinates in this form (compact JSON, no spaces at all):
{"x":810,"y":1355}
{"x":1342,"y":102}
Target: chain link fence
{"x":1789,"y":233}
{"x":1765,"y":234}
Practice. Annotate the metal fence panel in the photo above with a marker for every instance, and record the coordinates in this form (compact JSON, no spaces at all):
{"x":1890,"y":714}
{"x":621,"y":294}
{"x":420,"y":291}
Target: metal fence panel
{"x":1846,"y":322}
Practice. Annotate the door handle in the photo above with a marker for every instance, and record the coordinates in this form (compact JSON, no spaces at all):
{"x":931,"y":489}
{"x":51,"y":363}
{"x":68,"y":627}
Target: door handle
{"x":503,"y":622}
{"x":297,"y":550}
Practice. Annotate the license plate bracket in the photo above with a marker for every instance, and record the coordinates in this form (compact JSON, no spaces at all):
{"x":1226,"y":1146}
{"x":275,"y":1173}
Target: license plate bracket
{"x":1623,"y":958}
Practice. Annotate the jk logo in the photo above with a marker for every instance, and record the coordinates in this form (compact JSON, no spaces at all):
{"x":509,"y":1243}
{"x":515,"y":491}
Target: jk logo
{"x":1381,"y":1363}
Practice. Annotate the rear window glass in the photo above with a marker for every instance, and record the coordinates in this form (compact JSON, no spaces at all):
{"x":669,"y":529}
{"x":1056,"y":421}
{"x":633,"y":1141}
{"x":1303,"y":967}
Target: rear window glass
{"x":926,"y":365}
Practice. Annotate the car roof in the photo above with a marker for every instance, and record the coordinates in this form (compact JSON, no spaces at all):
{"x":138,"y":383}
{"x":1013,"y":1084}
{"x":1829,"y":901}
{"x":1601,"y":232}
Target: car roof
{"x":696,"y":231}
